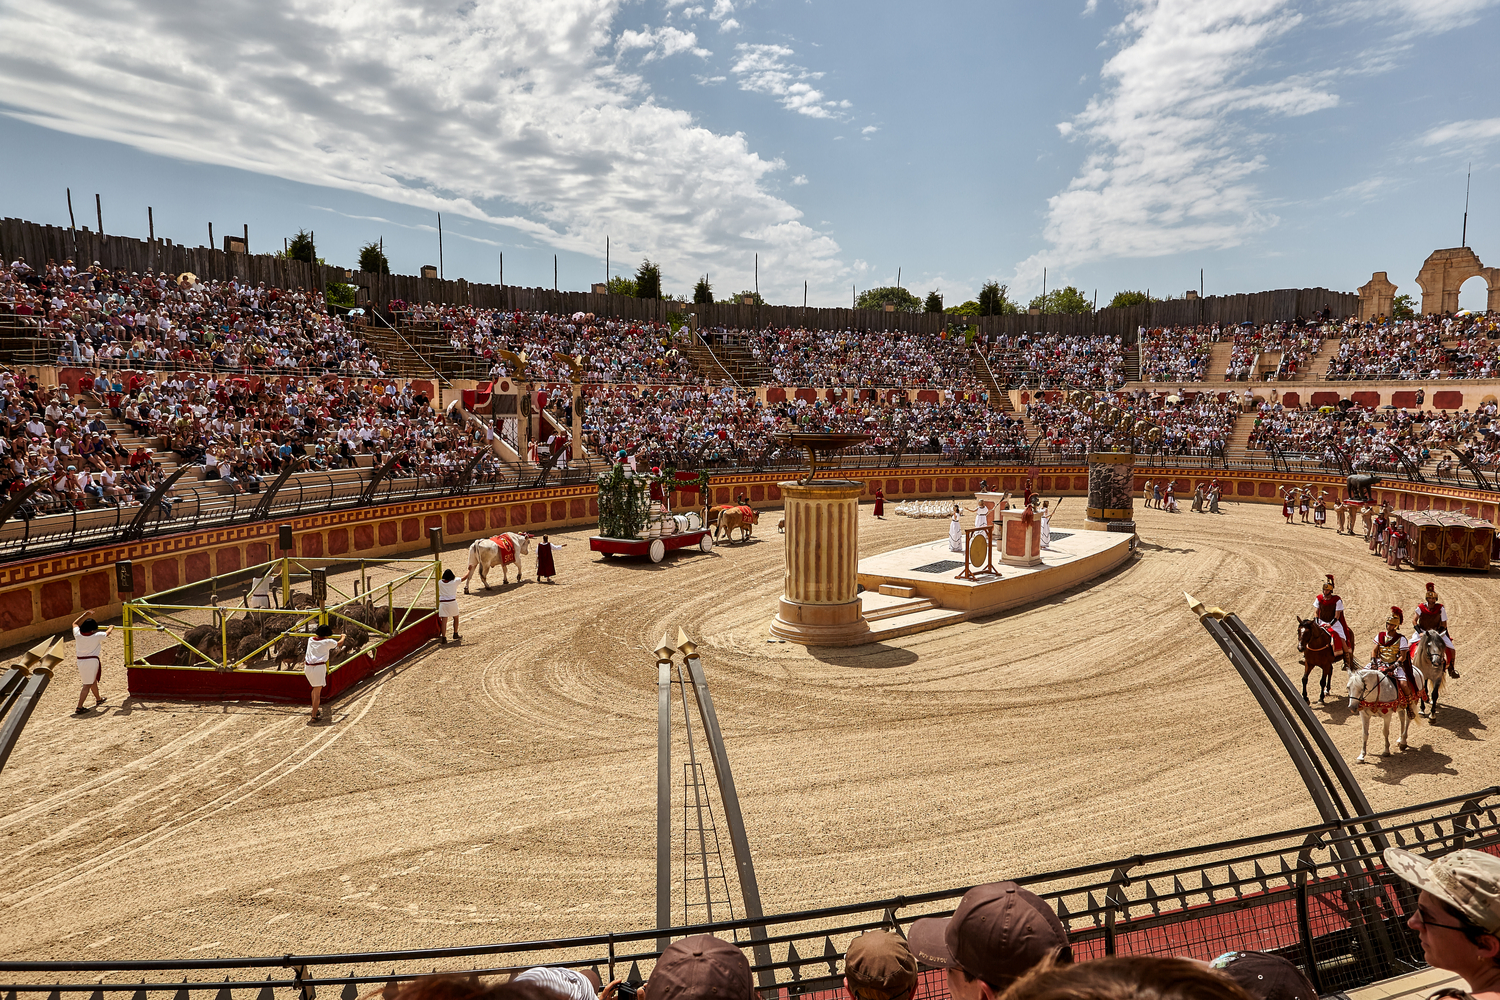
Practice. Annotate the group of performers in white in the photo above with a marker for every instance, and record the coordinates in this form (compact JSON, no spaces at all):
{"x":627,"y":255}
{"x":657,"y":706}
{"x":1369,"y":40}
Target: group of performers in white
{"x":984,"y":516}
{"x":1392,"y":652}
{"x":1301,"y":500}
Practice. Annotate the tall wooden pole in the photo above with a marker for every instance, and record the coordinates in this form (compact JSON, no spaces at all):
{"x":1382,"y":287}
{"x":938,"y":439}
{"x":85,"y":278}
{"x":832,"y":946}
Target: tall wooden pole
{"x":440,"y":246}
{"x":99,"y":214}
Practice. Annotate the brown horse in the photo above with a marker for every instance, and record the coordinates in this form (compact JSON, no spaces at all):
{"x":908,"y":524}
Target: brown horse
{"x":1316,"y":647}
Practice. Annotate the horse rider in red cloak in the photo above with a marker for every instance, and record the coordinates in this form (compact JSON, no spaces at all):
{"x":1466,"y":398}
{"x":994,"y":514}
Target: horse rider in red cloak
{"x":1328,"y":609}
{"x":1432,"y":616}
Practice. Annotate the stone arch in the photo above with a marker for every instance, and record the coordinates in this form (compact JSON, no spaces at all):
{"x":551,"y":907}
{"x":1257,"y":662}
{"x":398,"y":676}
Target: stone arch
{"x":1445,"y":271}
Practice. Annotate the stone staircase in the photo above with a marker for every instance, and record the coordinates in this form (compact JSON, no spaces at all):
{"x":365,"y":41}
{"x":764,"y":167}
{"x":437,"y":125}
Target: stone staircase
{"x":1317,"y":366}
{"x":1238,"y":445}
{"x":397,"y":352}
{"x":741,"y":364}
{"x":1219,"y":356}
{"x":999,"y":397}
{"x":1133,"y":363}
{"x":706,"y":362}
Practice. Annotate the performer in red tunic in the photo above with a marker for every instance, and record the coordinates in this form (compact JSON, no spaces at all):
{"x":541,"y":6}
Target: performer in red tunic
{"x":1328,"y":609}
{"x":1287,"y":506}
{"x":880,"y":503}
{"x":1395,"y":545}
{"x":544,"y":565}
{"x":1432,"y":616}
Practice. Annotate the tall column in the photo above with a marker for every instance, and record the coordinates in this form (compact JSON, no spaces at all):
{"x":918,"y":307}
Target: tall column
{"x":820,"y":600}
{"x":1111,"y":491}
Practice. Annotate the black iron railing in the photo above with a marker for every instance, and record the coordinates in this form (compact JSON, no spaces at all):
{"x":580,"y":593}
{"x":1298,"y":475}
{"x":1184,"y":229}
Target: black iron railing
{"x":1320,"y":895}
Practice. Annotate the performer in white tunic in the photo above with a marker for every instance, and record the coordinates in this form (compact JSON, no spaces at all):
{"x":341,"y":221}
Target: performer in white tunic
{"x":315,"y":663}
{"x":88,"y":643}
{"x":260,"y":591}
{"x":447,"y":605}
{"x":956,"y":531}
{"x":1046,"y":525}
{"x":982,"y":514}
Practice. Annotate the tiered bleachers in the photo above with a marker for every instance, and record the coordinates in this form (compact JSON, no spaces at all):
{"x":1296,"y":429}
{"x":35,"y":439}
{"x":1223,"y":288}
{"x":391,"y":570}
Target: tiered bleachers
{"x":1053,"y":361}
{"x":858,"y":358}
{"x":1176,"y":354}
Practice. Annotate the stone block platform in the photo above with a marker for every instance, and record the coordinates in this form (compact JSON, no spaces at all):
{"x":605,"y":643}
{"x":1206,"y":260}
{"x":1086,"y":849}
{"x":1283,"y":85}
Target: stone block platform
{"x":928,"y":573}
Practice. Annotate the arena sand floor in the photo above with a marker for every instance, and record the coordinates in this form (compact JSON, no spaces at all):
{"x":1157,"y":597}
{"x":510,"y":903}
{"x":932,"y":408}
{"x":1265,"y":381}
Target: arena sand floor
{"x":504,"y":789}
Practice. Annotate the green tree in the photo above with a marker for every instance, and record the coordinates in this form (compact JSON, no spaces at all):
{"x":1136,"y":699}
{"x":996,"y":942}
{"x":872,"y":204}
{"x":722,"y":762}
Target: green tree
{"x":994,"y":300}
{"x":934,"y":302}
{"x":301,"y":248}
{"x":372,"y":259}
{"x":1405,"y":307}
{"x":1062,"y":300}
{"x":648,"y":280}
{"x":703,"y":292}
{"x":339,"y":294}
{"x":621,"y":286}
{"x":1124,"y":300}
{"x":968,"y":308}
{"x":876,"y":298}
{"x":738,"y":298}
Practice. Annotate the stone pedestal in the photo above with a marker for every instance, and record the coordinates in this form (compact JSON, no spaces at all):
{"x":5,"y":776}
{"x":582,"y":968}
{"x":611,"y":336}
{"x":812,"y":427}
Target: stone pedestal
{"x":820,"y":600}
{"x":1020,"y":538}
{"x":1111,"y":491}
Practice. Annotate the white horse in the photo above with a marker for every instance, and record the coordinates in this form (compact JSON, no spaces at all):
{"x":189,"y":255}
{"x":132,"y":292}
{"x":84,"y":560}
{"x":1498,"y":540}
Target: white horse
{"x":502,"y":550}
{"x":1430,"y":656}
{"x":1372,"y":692}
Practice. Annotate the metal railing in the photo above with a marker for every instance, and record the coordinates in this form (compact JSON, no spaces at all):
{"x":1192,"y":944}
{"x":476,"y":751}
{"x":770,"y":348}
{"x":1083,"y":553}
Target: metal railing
{"x":1319,"y":895}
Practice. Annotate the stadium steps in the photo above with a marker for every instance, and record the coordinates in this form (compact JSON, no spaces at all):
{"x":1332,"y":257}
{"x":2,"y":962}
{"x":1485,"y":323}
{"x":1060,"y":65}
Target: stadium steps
{"x":1219,"y":356}
{"x":396,"y":354}
{"x":1265,"y":362}
{"x":742,"y":365}
{"x":1132,"y":363}
{"x":1317,"y":365}
{"x":1238,"y":445}
{"x":999,"y":398}
{"x":706,"y":362}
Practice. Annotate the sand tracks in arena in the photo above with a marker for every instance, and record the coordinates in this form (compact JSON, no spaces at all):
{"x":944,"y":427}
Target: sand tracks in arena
{"x":504,"y":788}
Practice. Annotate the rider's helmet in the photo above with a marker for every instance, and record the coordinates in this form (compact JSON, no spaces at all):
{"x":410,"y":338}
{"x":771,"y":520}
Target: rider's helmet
{"x":1328,"y":584}
{"x":1393,"y":623}
{"x":1432,"y":597}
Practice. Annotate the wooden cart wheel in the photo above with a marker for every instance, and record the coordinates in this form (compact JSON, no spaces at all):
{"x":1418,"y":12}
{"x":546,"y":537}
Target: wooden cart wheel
{"x":706,"y":543}
{"x":658,"y":550}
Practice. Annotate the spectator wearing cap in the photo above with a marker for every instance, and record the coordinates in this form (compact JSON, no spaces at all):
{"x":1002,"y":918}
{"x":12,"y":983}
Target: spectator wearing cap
{"x":701,"y":967}
{"x":879,"y":966}
{"x":1457,"y":915}
{"x":998,"y":932}
{"x":88,"y":643}
{"x":1134,"y":977}
{"x":1265,"y":976}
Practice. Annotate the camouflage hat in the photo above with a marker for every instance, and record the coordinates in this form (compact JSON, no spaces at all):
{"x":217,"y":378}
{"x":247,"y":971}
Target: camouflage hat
{"x":1468,"y":881}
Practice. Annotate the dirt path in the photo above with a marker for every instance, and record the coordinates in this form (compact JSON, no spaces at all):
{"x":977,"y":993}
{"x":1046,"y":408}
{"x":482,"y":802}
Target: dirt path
{"x":504,"y":789}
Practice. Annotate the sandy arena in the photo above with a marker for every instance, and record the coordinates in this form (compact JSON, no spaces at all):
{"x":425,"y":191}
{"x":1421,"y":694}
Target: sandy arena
{"x":504,"y":789}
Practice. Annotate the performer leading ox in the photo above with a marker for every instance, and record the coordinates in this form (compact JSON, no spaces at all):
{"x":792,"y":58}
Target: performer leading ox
{"x":1432,"y":616}
{"x":1328,"y":609}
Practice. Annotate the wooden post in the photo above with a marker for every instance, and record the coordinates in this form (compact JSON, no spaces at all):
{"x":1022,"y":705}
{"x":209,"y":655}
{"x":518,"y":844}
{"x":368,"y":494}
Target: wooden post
{"x":72,"y":222}
{"x":99,"y":215}
{"x":210,"y":235}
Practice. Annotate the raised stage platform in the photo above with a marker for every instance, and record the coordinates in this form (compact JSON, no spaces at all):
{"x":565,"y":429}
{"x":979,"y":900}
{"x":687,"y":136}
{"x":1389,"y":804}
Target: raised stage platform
{"x":914,"y":589}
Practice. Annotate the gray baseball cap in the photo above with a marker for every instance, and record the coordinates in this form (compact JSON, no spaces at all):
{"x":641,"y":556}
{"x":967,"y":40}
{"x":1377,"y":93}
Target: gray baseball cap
{"x":1468,"y":881}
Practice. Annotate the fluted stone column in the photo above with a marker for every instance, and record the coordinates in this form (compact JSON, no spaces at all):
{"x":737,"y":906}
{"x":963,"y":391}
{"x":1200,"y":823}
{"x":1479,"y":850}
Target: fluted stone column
{"x":1111,"y":504}
{"x":820,"y":601}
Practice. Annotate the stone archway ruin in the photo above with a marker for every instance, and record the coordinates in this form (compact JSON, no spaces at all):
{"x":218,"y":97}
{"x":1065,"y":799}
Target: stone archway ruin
{"x":1445,"y":271}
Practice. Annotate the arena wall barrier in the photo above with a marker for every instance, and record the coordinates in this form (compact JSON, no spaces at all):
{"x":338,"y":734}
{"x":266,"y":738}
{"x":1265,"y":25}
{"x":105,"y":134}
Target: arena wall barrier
{"x":1320,"y":896}
{"x":42,"y":596}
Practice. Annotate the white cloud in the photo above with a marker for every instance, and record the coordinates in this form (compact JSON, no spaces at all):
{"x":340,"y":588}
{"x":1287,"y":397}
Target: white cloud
{"x":766,"y":69}
{"x":660,"y":43}
{"x":1090,"y":7}
{"x":1169,"y":167}
{"x":509,"y":111}
{"x":799,"y":180}
{"x":1472,"y":131}
{"x":1411,"y":18}
{"x":709,"y":81}
{"x":868,"y":129}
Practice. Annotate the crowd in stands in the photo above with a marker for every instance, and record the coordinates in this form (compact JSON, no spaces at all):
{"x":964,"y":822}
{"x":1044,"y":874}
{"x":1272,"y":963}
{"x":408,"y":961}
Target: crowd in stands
{"x":1195,"y":425}
{"x":1426,"y":348}
{"x":856,"y":358}
{"x":1176,"y":354}
{"x":95,"y":318}
{"x":1350,"y":437}
{"x":715,"y":426}
{"x":240,"y":432}
{"x":1052,"y":360}
{"x":608,"y":350}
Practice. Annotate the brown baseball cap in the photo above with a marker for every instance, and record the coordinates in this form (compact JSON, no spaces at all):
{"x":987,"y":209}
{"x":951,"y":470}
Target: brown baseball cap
{"x":880,"y":966}
{"x":998,"y":932}
{"x":1265,"y":976}
{"x":699,"y":967}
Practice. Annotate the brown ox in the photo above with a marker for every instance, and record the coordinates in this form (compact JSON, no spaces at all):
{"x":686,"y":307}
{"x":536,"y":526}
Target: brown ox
{"x":730,"y":518}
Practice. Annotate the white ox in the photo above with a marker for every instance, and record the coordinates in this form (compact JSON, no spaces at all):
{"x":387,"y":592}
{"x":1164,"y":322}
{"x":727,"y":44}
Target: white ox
{"x":501,"y":550}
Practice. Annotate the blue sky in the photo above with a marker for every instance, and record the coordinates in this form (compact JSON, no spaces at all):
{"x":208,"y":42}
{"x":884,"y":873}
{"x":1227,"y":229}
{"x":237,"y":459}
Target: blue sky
{"x":1118,"y":145}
